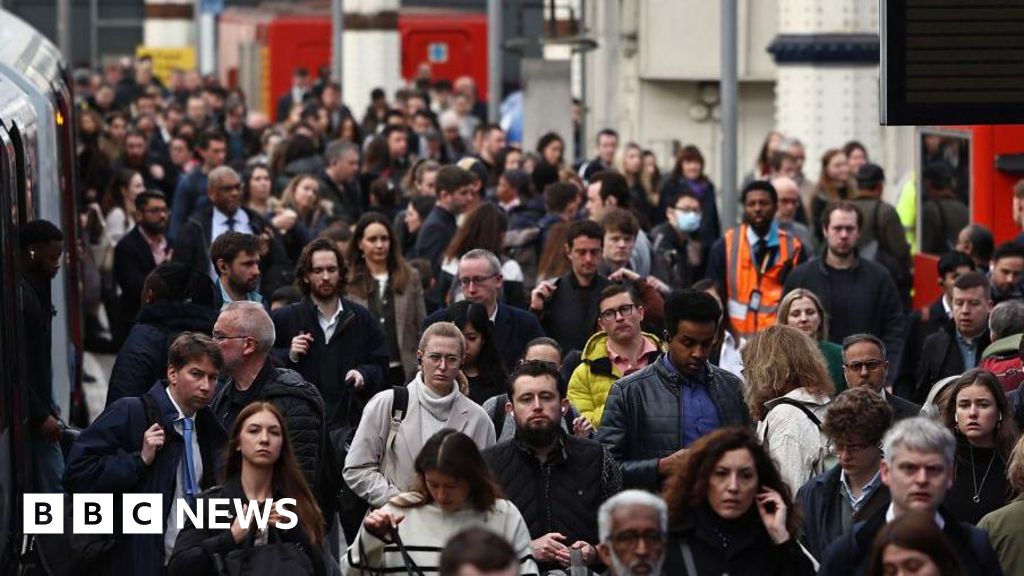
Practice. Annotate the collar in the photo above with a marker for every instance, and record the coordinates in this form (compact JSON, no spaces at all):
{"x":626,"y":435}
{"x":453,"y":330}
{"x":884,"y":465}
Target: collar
{"x":251,"y":296}
{"x":646,"y":349}
{"x":559,"y":454}
{"x":495,"y":315}
{"x":865,"y":489}
{"x":699,"y":378}
{"x":334,"y":317}
{"x":947,"y":306}
{"x":772,"y":238}
{"x":507,"y":207}
{"x":240,"y":217}
{"x":890,"y":515}
{"x":964,"y":341}
{"x":181,"y":415}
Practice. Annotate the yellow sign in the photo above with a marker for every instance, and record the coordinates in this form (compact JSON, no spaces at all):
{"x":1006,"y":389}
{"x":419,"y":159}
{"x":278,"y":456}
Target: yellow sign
{"x":167,"y":60}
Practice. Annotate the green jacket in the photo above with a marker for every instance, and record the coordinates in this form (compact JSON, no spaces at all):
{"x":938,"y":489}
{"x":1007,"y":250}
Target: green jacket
{"x":593,"y":378}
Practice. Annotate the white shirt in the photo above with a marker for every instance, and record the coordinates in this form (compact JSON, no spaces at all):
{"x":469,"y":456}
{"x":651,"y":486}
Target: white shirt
{"x":328,"y":325}
{"x":220,"y":226}
{"x":170,"y":526}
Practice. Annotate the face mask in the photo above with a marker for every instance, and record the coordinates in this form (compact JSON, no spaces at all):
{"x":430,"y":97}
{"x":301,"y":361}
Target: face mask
{"x":688,"y":221}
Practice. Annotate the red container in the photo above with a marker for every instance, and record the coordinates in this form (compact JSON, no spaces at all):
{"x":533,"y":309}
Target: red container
{"x":453,"y":44}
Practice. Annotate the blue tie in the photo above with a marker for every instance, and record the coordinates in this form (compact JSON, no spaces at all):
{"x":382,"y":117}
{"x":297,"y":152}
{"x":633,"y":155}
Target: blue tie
{"x":191,"y":486}
{"x":230,"y":222}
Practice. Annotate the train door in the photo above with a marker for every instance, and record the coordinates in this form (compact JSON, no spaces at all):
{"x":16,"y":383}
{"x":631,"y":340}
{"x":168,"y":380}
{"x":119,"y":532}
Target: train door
{"x":15,"y":459}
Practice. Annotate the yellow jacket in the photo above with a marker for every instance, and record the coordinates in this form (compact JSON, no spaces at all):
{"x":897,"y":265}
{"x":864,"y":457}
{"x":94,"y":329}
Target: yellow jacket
{"x":592,"y":380}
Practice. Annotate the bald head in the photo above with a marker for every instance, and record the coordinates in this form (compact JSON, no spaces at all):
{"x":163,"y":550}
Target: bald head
{"x":789,"y":198}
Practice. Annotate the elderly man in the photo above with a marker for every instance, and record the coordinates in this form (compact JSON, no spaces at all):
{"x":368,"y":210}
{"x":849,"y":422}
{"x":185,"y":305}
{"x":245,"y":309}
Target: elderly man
{"x":245,"y":334}
{"x":632,"y":526}
{"x":918,"y":467}
{"x":481,"y":280}
{"x":225,"y":213}
{"x":864,"y":364}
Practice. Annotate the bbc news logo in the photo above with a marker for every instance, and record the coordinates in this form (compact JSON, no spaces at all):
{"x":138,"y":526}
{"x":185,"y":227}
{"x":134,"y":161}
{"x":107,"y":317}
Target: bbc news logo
{"x":144,"y":513}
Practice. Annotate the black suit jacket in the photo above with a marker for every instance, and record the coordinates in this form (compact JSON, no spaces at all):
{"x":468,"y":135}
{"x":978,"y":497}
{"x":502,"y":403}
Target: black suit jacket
{"x":513,"y":329}
{"x":902,"y":408}
{"x":193,"y":248}
{"x":133,"y":261}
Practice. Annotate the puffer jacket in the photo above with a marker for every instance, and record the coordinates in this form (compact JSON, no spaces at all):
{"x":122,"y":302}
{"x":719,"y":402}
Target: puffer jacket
{"x":1002,"y":359}
{"x":593,"y":378}
{"x":643,"y":418}
{"x":299,"y":402}
{"x":795,"y":442}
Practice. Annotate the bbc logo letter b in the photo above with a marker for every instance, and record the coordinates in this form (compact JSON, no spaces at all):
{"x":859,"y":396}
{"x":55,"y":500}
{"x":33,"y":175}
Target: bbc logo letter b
{"x":43,"y":514}
{"x":93,"y":514}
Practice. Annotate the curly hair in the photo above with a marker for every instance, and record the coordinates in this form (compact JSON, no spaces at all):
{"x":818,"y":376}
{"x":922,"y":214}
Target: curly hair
{"x":821,"y":334}
{"x":777,"y":361}
{"x":687,"y":486}
{"x":1006,"y":432}
{"x":858,"y":415}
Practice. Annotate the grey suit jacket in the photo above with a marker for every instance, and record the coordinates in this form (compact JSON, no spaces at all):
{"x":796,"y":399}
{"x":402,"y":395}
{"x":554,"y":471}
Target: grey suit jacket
{"x":377,"y":472}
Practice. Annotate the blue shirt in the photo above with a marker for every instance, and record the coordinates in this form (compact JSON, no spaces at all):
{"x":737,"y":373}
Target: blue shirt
{"x":699,"y":413}
{"x":968,"y":350}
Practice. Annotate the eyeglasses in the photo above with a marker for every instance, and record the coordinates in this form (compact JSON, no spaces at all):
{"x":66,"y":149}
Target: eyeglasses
{"x":858,"y":367}
{"x":630,"y":538}
{"x":849,"y":449}
{"x":435,"y":358}
{"x":228,"y":187}
{"x":626,"y":310}
{"x":478,"y":280}
{"x":218,"y":337}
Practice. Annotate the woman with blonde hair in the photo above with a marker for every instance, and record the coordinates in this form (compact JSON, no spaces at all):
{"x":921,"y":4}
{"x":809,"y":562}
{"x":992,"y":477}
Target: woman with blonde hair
{"x":788,"y":393}
{"x":801,"y":309}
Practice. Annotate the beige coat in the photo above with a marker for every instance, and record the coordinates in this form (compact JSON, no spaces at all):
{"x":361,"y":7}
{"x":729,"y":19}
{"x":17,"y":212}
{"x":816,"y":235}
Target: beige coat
{"x":363,"y":464}
{"x":410,"y":312}
{"x":798,"y":447}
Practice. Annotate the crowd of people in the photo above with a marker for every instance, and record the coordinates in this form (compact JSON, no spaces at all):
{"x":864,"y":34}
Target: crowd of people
{"x":417,"y":328}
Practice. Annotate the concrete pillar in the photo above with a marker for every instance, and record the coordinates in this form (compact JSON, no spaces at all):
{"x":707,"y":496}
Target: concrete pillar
{"x":372,"y":51}
{"x":827,"y":83}
{"x":169,"y":23}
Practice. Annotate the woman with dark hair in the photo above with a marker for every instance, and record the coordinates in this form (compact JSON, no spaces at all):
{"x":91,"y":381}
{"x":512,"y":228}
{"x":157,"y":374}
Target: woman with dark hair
{"x":301,"y":214}
{"x":261,"y":467}
{"x":642,"y":200}
{"x":454,"y":489}
{"x":913,"y":544}
{"x":688,"y":174}
{"x":390,"y":289}
{"x":508,"y":158}
{"x":856,"y":155}
{"x":256,"y":192}
{"x":484,"y":228}
{"x":979,"y":415}
{"x":415,"y":213}
{"x":118,"y":204}
{"x":730,"y":512}
{"x":482,"y":365}
{"x":651,"y":174}
{"x":763,"y":166}
{"x":551,"y":149}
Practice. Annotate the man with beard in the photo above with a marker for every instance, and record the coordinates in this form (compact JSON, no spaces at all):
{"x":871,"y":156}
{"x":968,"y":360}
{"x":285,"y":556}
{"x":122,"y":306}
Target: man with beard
{"x":633,"y":526}
{"x":237,"y":260}
{"x":1006,"y":272}
{"x":333,"y":342}
{"x":138,"y":253}
{"x":859,"y":296}
{"x":138,"y":156}
{"x":556,"y":480}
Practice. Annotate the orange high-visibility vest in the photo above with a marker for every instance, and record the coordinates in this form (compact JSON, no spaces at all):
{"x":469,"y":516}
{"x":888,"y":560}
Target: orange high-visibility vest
{"x":745,"y":280}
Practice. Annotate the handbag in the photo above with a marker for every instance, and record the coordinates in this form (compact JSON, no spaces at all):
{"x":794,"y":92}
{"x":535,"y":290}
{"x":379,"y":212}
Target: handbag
{"x":272,"y":559}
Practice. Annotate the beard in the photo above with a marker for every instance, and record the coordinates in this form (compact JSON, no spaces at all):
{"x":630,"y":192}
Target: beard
{"x":538,"y":436}
{"x":153,"y":229}
{"x":621,"y":569}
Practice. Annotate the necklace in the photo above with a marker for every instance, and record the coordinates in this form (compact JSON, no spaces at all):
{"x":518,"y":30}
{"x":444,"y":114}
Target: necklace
{"x":974,"y":476}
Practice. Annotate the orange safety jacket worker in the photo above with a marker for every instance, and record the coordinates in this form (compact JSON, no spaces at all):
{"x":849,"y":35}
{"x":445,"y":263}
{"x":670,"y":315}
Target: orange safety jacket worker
{"x":755,"y":290}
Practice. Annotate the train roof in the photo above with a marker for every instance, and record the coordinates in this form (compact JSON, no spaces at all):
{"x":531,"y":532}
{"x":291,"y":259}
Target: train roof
{"x":24,"y":49}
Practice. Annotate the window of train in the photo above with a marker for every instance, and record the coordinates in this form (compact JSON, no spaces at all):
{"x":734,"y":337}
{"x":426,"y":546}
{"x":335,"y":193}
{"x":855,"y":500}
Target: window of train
{"x":944,"y":188}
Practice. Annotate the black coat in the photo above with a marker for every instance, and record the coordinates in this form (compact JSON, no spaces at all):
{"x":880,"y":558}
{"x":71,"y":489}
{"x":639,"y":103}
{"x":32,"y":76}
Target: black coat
{"x":437,"y":231}
{"x":643,"y":418}
{"x":298,"y":401}
{"x":821,"y":500}
{"x":513,"y":329}
{"x":195,"y":548}
{"x":941,"y":357}
{"x":363,"y":344}
{"x":874,"y":307}
{"x":570,"y":314}
{"x":37,"y":313}
{"x":346,"y":199}
{"x":561,"y":494}
{"x":750,"y":551}
{"x":133,"y":261}
{"x":142,"y":359}
{"x":193,"y":248}
{"x":921,"y":324}
{"x":851,"y":553}
{"x":105,"y":459}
